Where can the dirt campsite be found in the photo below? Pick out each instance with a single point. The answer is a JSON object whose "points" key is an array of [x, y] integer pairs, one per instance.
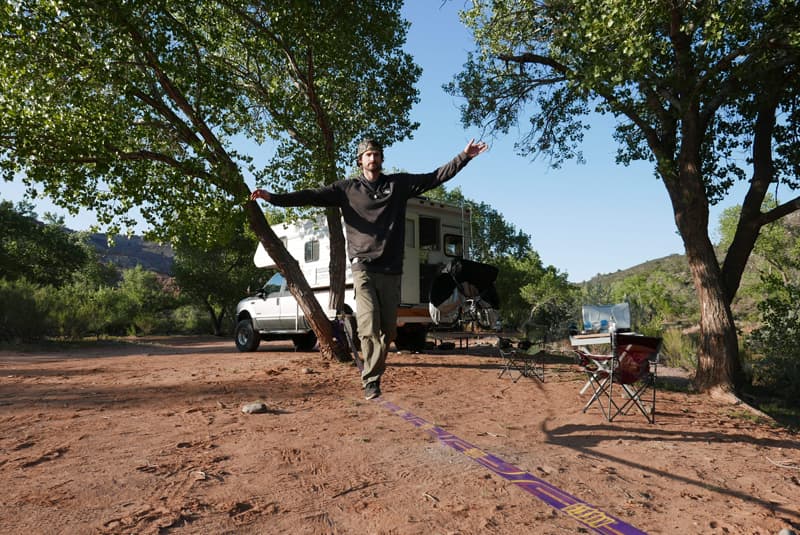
{"points": [[149, 436]]}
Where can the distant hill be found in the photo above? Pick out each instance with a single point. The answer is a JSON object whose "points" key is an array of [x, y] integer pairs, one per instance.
{"points": [[127, 253], [674, 264], [673, 274]]}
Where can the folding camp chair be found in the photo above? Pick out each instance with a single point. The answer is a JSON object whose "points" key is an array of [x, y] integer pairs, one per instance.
{"points": [[599, 324], [516, 358], [630, 369]]}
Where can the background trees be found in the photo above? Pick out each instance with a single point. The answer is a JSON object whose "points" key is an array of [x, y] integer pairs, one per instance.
{"points": [[217, 274], [41, 253], [697, 89], [53, 284]]}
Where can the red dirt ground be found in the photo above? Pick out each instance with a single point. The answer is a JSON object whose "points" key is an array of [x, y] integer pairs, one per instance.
{"points": [[149, 437]]}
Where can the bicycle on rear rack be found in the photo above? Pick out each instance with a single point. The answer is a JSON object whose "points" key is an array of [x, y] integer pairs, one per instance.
{"points": [[463, 297]]}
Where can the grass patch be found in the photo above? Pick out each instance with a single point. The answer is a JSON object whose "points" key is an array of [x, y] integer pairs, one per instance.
{"points": [[674, 384]]}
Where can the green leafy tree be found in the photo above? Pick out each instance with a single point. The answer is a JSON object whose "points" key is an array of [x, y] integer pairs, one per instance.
{"points": [[777, 249], [652, 298], [151, 299], [216, 274], [775, 341], [526, 287], [535, 295], [694, 86], [774, 273], [325, 74], [21, 317], [39, 252], [113, 105]]}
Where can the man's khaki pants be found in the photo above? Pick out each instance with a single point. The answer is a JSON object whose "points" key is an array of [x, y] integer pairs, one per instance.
{"points": [[377, 299]]}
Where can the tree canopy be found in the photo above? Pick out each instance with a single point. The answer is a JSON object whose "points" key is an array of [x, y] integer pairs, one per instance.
{"points": [[706, 91], [216, 275], [111, 105]]}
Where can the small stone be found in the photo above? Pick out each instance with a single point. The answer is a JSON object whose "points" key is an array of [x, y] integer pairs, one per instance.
{"points": [[254, 408], [199, 475], [307, 370], [787, 531]]}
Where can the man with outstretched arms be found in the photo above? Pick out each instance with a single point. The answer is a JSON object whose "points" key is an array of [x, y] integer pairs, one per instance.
{"points": [[374, 208]]}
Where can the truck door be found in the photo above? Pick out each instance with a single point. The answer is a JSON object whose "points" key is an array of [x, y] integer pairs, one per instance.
{"points": [[266, 306], [276, 308]]}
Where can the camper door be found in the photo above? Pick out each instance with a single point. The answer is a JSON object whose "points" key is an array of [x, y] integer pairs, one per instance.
{"points": [[410, 287]]}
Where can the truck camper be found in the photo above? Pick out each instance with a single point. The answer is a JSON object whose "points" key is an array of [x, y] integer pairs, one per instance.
{"points": [[436, 233]]}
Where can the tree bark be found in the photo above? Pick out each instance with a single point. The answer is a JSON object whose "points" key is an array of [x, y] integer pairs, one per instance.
{"points": [[338, 261], [750, 218], [718, 366]]}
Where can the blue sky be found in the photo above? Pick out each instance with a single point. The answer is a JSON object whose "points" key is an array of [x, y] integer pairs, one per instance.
{"points": [[583, 219]]}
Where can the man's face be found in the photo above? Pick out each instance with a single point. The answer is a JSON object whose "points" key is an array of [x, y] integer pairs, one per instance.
{"points": [[371, 160]]}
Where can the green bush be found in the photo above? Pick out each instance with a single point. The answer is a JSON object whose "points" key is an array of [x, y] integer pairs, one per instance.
{"points": [[190, 319], [775, 352], [679, 349], [21, 319]]}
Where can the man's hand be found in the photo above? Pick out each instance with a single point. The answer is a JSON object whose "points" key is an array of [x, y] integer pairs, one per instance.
{"points": [[473, 149], [260, 194]]}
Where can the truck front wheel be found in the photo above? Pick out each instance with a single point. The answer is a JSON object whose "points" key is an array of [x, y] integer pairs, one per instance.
{"points": [[247, 339]]}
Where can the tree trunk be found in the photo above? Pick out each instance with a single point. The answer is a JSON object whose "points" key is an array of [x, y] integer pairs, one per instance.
{"points": [[718, 366], [215, 321], [338, 259], [750, 218], [298, 285]]}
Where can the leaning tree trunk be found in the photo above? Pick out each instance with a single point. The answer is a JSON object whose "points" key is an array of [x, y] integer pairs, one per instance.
{"points": [[298, 285]]}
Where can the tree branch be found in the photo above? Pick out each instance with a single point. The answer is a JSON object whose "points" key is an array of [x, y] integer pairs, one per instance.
{"points": [[529, 57], [780, 211]]}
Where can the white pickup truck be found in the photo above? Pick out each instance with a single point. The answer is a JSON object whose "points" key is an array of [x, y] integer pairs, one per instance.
{"points": [[273, 314]]}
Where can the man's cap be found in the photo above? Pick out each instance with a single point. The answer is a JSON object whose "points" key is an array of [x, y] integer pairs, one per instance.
{"points": [[365, 145]]}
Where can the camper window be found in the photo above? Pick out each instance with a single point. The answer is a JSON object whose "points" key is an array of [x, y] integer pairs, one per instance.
{"points": [[428, 233], [453, 245], [312, 251]]}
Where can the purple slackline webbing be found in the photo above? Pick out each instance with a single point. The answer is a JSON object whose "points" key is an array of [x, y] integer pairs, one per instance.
{"points": [[582, 512], [575, 508]]}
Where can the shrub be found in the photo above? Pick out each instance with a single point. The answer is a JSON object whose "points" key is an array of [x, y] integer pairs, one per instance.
{"points": [[20, 316], [190, 319], [679, 349], [776, 355]]}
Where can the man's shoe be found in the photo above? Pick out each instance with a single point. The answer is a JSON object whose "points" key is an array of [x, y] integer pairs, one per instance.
{"points": [[372, 390]]}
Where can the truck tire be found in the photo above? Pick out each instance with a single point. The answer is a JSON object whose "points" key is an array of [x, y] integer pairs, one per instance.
{"points": [[304, 342], [246, 337]]}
